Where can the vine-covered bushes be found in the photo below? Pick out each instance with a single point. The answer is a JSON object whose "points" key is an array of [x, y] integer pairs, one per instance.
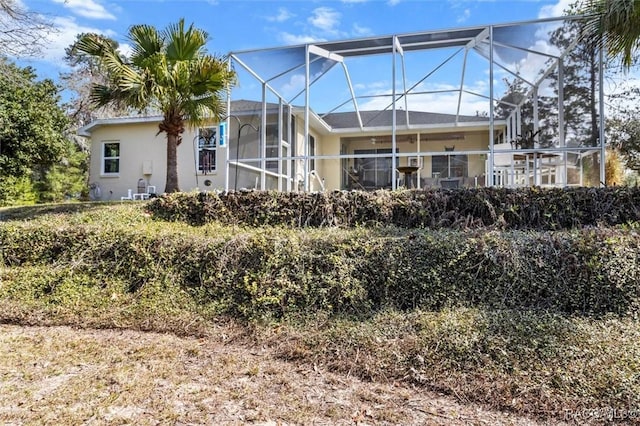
{"points": [[275, 272], [500, 208], [541, 323]]}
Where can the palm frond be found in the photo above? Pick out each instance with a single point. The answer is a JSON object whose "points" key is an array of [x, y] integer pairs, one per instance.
{"points": [[94, 45], [169, 71], [121, 77], [146, 42], [101, 95], [211, 74], [613, 25], [184, 44], [204, 110]]}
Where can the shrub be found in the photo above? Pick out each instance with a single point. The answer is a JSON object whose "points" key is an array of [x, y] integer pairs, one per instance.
{"points": [[276, 272], [541, 323], [498, 208]]}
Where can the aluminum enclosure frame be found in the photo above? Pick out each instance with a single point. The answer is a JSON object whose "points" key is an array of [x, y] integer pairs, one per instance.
{"points": [[313, 61]]}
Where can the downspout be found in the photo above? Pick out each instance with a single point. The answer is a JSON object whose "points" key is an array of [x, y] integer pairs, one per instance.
{"points": [[536, 114], [291, 137], [420, 160], [280, 137]]}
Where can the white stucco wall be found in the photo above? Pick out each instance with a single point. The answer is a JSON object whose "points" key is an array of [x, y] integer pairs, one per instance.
{"points": [[143, 156]]}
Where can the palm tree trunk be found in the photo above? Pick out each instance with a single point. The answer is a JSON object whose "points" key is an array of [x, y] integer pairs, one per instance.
{"points": [[171, 184]]}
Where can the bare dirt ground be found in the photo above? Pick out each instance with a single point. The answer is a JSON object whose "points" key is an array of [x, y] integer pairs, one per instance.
{"points": [[66, 376]]}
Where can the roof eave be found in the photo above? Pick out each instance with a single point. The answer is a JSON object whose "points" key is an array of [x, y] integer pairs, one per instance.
{"points": [[437, 126], [321, 125], [89, 128]]}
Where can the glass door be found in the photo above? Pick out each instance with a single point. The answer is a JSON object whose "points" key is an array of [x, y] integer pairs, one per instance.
{"points": [[375, 172]]}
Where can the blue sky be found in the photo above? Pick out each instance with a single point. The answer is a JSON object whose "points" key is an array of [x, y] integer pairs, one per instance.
{"points": [[235, 25], [241, 24]]}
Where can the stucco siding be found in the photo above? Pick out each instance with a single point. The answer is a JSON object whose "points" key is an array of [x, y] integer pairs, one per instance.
{"points": [[143, 156]]}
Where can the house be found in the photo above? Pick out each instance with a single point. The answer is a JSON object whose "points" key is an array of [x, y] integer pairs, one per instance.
{"points": [[476, 106], [128, 152]]}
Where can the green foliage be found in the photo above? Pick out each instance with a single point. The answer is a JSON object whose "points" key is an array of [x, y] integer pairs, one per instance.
{"points": [[84, 73], [17, 191], [613, 25], [66, 180], [37, 162], [31, 123], [497, 208], [623, 127], [278, 272]]}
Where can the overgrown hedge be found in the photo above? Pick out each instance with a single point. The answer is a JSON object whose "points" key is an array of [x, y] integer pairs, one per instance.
{"points": [[506, 341], [276, 272], [500, 208]]}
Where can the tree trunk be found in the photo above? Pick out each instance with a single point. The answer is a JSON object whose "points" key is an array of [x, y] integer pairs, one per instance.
{"points": [[172, 163]]}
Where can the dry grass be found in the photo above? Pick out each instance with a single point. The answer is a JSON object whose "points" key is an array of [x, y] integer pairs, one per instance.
{"points": [[66, 376]]}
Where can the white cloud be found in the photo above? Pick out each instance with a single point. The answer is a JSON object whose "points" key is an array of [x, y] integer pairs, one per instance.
{"points": [[361, 31], [354, 1], [125, 49], [464, 17], [289, 39], [282, 16], [68, 29], [555, 10], [323, 24], [87, 8], [443, 102], [324, 18], [393, 2]]}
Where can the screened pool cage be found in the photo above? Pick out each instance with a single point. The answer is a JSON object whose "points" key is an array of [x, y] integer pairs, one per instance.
{"points": [[510, 105]]}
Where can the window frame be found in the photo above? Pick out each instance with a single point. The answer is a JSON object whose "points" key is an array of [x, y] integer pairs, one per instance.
{"points": [[312, 152], [442, 164], [212, 148], [104, 158], [271, 149]]}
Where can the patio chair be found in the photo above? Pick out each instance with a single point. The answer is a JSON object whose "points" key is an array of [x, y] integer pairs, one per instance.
{"points": [[129, 195]]}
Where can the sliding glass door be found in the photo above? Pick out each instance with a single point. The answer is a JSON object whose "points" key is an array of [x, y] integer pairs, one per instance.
{"points": [[375, 172]]}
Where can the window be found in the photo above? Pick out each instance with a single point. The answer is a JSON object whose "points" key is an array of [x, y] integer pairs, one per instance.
{"points": [[312, 153], [374, 172], [207, 144], [449, 166], [272, 146], [110, 158]]}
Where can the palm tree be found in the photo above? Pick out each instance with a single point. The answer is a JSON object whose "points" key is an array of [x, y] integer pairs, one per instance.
{"points": [[168, 71], [614, 25]]}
